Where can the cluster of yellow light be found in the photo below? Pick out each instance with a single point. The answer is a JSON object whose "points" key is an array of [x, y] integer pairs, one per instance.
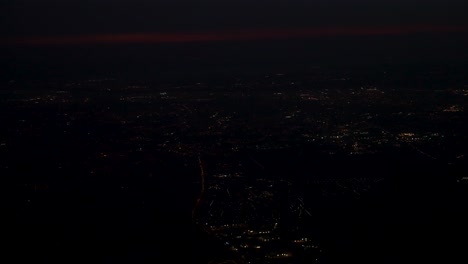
{"points": [[406, 134]]}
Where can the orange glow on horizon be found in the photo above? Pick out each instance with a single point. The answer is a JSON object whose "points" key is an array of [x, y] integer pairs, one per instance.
{"points": [[240, 35]]}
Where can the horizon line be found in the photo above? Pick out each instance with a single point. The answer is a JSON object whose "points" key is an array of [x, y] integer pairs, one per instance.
{"points": [[229, 35]]}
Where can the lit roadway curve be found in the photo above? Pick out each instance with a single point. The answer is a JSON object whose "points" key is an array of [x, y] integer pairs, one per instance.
{"points": [[202, 175]]}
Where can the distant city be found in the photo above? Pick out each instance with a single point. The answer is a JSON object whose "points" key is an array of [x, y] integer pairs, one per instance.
{"points": [[275, 168]]}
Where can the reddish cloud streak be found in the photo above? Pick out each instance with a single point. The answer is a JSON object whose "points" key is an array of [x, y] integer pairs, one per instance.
{"points": [[241, 35]]}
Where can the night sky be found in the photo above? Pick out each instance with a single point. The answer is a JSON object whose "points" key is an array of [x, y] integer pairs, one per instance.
{"points": [[250, 31]]}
